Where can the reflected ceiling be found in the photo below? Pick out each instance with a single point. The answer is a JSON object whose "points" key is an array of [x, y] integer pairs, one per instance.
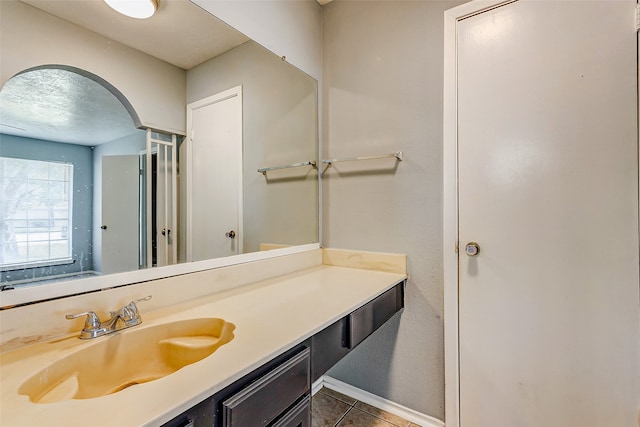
{"points": [[62, 106], [37, 105], [180, 32]]}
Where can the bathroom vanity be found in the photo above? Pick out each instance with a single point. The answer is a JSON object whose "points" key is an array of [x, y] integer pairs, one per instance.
{"points": [[289, 328], [278, 393]]}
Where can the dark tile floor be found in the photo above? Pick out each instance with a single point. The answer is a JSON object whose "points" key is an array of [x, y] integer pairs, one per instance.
{"points": [[332, 409]]}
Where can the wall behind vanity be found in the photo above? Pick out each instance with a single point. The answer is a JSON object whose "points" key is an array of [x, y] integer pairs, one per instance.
{"points": [[383, 89], [381, 92]]}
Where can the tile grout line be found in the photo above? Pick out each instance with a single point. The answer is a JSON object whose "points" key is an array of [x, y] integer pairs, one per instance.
{"points": [[406, 415], [343, 416], [376, 416], [353, 406]]}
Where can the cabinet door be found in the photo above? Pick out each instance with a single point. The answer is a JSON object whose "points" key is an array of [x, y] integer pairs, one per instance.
{"points": [[264, 400]]}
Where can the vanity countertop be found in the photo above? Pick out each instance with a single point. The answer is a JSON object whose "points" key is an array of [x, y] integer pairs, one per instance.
{"points": [[270, 316]]}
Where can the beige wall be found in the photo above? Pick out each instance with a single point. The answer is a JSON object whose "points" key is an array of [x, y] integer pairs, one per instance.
{"points": [[31, 38], [383, 84], [279, 110]]}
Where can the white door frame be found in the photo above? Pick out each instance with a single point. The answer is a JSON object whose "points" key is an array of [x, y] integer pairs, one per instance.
{"points": [[222, 96], [450, 202], [168, 189]]}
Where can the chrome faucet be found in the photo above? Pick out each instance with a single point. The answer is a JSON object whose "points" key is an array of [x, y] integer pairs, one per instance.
{"points": [[125, 317]]}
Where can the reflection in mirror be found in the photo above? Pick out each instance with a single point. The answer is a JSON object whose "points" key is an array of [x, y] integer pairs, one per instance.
{"points": [[278, 110], [53, 227], [84, 148]]}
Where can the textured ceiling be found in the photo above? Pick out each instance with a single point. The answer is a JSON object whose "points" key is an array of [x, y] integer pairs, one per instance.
{"points": [[62, 106]]}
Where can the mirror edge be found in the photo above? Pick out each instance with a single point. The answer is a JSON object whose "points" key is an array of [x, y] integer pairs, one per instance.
{"points": [[34, 294]]}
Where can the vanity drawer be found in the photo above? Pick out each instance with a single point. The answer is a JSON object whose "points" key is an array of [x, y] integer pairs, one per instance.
{"points": [[365, 320], [298, 416], [262, 401], [338, 339]]}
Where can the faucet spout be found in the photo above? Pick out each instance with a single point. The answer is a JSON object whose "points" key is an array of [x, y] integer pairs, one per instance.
{"points": [[111, 324]]}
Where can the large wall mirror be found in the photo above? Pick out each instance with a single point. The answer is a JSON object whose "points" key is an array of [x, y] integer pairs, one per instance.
{"points": [[144, 148]]}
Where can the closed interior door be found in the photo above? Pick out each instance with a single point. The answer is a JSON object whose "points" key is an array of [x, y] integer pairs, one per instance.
{"points": [[164, 203], [215, 176], [548, 188], [120, 176]]}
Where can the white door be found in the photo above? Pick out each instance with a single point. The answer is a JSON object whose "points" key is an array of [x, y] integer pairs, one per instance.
{"points": [[214, 176], [120, 183], [548, 188]]}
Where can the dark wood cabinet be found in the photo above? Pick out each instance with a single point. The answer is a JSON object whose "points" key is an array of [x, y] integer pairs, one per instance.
{"points": [[269, 397], [278, 393], [329, 346], [200, 415], [298, 416], [270, 394], [337, 340], [366, 319]]}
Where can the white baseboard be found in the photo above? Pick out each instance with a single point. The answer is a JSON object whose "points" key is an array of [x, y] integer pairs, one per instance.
{"points": [[315, 387], [415, 417]]}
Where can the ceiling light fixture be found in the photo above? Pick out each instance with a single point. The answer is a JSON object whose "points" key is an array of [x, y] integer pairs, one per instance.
{"points": [[139, 9]]}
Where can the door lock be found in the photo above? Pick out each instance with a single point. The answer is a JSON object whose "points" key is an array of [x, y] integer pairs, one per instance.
{"points": [[472, 249], [231, 234]]}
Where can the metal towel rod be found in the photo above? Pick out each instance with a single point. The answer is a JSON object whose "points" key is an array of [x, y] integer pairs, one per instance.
{"points": [[264, 171], [397, 155]]}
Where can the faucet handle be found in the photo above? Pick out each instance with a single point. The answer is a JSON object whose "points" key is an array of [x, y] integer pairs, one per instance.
{"points": [[130, 311], [92, 321], [147, 298]]}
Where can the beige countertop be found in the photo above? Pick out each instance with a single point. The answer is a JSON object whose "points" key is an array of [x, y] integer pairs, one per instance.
{"points": [[270, 316]]}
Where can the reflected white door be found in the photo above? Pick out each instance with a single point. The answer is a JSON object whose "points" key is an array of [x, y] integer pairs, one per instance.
{"points": [[548, 188], [214, 183], [165, 199], [120, 199]]}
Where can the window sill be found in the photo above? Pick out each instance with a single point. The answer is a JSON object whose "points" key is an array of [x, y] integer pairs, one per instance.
{"points": [[48, 263]]}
